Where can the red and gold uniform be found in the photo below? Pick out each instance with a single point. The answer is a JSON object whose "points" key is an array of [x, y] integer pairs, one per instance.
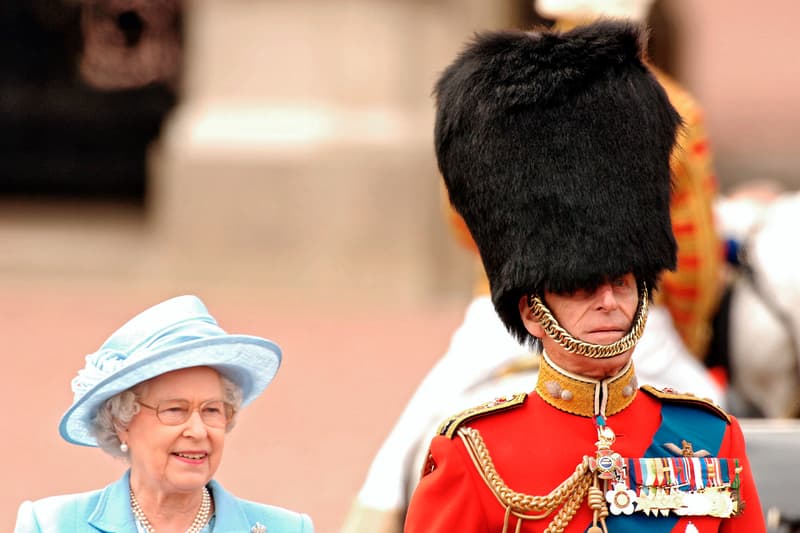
{"points": [[692, 291], [488, 465]]}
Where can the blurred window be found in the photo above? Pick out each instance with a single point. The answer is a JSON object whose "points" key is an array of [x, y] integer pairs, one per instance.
{"points": [[63, 136]]}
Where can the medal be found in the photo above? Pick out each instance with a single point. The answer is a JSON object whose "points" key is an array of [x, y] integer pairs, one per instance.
{"points": [[679, 485], [607, 463]]}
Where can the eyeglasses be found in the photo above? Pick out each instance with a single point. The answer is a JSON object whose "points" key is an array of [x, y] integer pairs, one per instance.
{"points": [[213, 413]]}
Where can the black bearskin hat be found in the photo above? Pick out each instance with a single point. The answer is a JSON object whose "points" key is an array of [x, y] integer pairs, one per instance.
{"points": [[555, 149]]}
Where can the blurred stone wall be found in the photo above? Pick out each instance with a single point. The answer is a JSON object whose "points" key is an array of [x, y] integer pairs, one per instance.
{"points": [[299, 157], [301, 154], [738, 60]]}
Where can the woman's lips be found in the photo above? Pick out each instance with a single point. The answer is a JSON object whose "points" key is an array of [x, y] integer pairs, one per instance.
{"points": [[193, 457]]}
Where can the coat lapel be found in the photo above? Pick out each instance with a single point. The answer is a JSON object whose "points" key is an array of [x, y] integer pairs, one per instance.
{"points": [[113, 514], [229, 514]]}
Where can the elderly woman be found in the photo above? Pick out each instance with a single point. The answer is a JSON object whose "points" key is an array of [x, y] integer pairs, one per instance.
{"points": [[162, 392]]}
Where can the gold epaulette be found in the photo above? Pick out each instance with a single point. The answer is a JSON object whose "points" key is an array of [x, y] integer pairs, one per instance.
{"points": [[448, 427], [669, 395]]}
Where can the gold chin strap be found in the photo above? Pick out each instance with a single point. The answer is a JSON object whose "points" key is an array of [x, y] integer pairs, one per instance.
{"points": [[588, 349]]}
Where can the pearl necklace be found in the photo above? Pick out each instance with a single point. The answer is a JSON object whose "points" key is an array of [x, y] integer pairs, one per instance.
{"points": [[197, 524]]}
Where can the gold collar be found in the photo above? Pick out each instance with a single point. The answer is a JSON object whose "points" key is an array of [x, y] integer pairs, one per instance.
{"points": [[584, 396]]}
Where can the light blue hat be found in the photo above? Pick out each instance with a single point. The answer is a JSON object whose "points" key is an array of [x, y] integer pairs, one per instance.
{"points": [[178, 333]]}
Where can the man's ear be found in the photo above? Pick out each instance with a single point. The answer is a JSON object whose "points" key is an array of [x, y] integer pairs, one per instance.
{"points": [[528, 320]]}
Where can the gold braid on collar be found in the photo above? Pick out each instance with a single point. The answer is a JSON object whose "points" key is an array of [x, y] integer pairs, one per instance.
{"points": [[582, 396], [596, 351]]}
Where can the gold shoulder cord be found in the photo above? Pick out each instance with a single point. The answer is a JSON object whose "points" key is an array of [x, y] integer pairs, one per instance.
{"points": [[669, 395], [571, 492], [449, 427]]}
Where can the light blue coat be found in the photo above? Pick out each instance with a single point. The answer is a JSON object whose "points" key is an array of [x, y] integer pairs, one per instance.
{"points": [[109, 510]]}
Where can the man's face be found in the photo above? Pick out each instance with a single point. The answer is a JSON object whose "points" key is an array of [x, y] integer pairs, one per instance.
{"points": [[600, 316]]}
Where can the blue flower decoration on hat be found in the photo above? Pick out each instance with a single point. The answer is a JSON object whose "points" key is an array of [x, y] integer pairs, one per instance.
{"points": [[178, 333]]}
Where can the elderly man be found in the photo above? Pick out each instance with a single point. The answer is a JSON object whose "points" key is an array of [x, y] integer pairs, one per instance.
{"points": [[555, 149]]}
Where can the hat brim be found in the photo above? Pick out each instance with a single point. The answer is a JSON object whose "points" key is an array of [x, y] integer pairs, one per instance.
{"points": [[250, 362]]}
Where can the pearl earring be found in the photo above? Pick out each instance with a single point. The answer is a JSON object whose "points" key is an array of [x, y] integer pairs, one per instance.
{"points": [[123, 447]]}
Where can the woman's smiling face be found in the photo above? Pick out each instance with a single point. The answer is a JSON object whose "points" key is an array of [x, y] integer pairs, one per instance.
{"points": [[175, 458]]}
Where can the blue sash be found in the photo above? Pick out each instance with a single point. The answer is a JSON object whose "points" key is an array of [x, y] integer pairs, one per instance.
{"points": [[678, 422]]}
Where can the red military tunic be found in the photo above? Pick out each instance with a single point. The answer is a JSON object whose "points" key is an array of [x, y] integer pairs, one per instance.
{"points": [[534, 444]]}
